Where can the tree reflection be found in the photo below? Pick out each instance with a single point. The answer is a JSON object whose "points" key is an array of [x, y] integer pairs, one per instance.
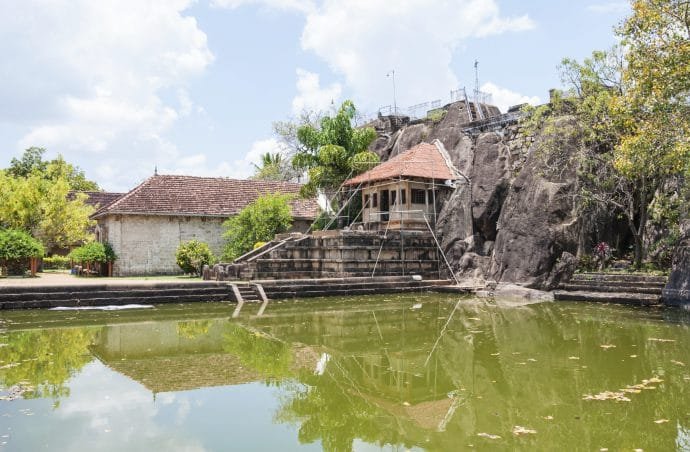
{"points": [[43, 360]]}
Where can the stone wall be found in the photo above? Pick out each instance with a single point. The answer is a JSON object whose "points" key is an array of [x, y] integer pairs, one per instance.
{"points": [[677, 290], [146, 244]]}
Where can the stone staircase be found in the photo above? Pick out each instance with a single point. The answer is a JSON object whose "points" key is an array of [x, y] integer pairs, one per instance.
{"points": [[23, 297], [302, 288], [637, 289]]}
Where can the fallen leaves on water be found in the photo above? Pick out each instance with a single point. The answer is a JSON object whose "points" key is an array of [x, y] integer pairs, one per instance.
{"points": [[633, 356], [661, 421], [573, 357], [607, 395], [532, 360], [657, 339], [548, 418], [520, 430], [678, 363], [607, 346], [620, 395], [488, 435]]}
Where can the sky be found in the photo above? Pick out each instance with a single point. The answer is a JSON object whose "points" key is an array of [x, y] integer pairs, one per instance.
{"points": [[122, 87]]}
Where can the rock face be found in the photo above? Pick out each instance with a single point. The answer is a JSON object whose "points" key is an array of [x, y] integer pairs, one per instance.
{"points": [[677, 290], [514, 221]]}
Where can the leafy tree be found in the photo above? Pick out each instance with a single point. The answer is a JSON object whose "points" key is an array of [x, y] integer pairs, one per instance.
{"points": [[41, 206], [333, 151], [260, 221], [16, 247], [32, 162], [191, 256], [274, 166], [633, 108]]}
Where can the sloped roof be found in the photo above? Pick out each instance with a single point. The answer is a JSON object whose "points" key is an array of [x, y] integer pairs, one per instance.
{"points": [[202, 196], [425, 160], [97, 199]]}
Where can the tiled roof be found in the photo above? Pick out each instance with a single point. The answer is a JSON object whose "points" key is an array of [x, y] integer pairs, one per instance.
{"points": [[202, 196], [424, 160], [98, 199]]}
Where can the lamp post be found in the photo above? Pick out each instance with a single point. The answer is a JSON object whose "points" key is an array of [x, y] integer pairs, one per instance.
{"points": [[395, 105]]}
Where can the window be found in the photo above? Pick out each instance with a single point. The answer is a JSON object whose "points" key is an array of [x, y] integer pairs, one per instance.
{"points": [[403, 196], [375, 200], [366, 201], [418, 196], [394, 195]]}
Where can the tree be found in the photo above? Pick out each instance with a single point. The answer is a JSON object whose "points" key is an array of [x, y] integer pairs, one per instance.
{"points": [[191, 256], [633, 110], [275, 167], [16, 247], [334, 151], [259, 221], [40, 205], [32, 162]]}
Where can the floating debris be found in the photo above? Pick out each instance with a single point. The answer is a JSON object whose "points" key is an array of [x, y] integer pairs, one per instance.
{"points": [[488, 435], [573, 357], [656, 339], [607, 346], [620, 395], [7, 366], [678, 363], [548, 418], [633, 356], [661, 421], [417, 306], [519, 430], [532, 360], [607, 395]]}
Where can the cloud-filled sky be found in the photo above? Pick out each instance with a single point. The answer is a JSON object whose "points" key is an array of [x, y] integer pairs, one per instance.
{"points": [[192, 87]]}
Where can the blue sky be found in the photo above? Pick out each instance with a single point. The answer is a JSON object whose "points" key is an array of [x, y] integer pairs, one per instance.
{"points": [[192, 87]]}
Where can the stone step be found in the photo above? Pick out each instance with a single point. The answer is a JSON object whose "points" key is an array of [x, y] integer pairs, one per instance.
{"points": [[115, 300], [298, 293], [608, 297], [39, 293], [110, 287], [619, 277], [353, 286], [611, 287]]}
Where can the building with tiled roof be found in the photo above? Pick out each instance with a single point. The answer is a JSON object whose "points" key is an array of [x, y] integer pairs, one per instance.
{"points": [[406, 191], [146, 225]]}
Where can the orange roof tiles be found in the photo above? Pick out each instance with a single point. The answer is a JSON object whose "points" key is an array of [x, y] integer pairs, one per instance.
{"points": [[424, 160], [202, 196]]}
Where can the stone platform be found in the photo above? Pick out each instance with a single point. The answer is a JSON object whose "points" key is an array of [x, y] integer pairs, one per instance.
{"points": [[337, 254], [637, 289]]}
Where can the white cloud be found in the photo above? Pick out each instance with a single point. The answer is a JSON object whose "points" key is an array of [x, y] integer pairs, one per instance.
{"points": [[310, 95], [364, 39], [96, 71], [504, 98], [609, 7], [297, 5]]}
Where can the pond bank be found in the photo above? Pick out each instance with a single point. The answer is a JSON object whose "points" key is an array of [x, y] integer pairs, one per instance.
{"points": [[103, 292]]}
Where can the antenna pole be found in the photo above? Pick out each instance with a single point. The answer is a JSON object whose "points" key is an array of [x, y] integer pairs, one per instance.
{"points": [[395, 105], [476, 90]]}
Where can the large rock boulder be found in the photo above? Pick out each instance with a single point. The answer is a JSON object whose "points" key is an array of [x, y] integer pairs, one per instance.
{"points": [[677, 290], [538, 221]]}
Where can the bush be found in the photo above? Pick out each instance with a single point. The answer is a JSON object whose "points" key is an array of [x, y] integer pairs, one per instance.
{"points": [[56, 262], [93, 252], [16, 247], [193, 255], [260, 221]]}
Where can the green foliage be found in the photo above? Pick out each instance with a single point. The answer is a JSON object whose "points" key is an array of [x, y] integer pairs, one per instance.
{"points": [[437, 114], [191, 256], [274, 167], [16, 247], [260, 221], [334, 151], [93, 252], [32, 162], [269, 357], [56, 262], [39, 203], [43, 360]]}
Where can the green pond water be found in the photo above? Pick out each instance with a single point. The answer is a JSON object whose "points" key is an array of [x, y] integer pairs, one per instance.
{"points": [[412, 372]]}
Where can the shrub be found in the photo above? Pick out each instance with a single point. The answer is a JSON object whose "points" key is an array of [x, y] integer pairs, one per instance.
{"points": [[192, 256], [259, 221], [93, 252], [56, 262], [16, 247]]}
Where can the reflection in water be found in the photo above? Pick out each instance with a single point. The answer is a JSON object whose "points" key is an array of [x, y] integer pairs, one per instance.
{"points": [[342, 372]]}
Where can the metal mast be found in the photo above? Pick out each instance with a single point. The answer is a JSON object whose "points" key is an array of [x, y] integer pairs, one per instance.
{"points": [[476, 90]]}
